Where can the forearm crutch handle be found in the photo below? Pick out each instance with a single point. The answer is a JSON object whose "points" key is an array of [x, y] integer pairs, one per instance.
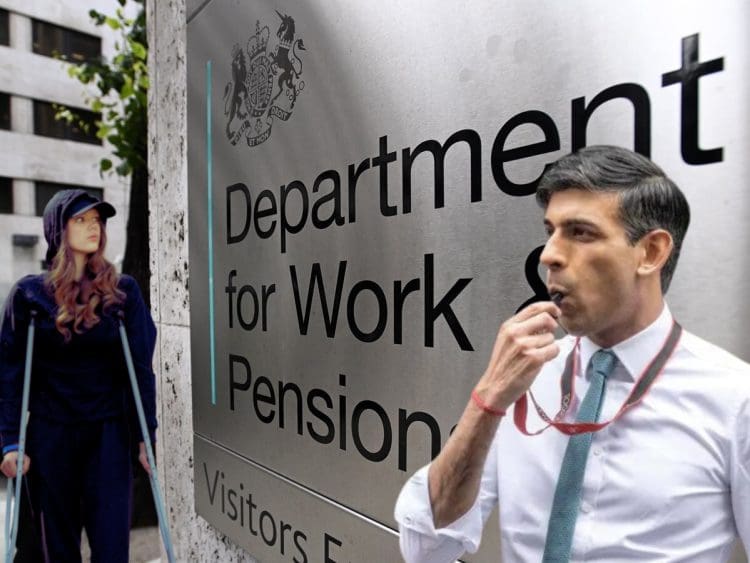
{"points": [[155, 490]]}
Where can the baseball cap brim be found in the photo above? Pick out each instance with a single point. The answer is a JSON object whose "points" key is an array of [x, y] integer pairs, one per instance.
{"points": [[105, 210], [83, 204]]}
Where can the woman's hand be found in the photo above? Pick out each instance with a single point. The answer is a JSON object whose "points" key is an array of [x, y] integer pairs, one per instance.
{"points": [[9, 466], [143, 458]]}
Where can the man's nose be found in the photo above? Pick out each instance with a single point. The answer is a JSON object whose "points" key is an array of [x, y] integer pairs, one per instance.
{"points": [[552, 255]]}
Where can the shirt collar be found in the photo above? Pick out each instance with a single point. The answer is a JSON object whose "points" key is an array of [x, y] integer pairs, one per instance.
{"points": [[636, 352]]}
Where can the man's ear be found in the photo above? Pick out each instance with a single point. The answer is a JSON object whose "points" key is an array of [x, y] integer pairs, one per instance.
{"points": [[657, 247]]}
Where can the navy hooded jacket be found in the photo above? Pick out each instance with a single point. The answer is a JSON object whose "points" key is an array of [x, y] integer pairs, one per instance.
{"points": [[84, 379]]}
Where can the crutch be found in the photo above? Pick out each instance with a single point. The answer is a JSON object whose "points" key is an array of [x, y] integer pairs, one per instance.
{"points": [[11, 530], [163, 526]]}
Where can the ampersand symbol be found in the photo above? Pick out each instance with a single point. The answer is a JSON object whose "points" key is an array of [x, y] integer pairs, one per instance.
{"points": [[532, 277]]}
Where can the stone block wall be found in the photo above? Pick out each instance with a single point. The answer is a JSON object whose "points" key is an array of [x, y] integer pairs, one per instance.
{"points": [[193, 538]]}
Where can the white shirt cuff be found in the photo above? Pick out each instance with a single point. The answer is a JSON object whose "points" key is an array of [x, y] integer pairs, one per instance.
{"points": [[414, 513]]}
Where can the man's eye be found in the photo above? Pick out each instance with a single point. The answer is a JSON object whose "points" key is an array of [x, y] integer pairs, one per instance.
{"points": [[581, 232]]}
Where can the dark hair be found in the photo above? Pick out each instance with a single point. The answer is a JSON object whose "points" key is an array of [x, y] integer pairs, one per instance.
{"points": [[648, 198]]}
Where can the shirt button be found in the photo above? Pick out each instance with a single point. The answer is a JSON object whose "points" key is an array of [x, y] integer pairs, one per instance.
{"points": [[585, 508], [407, 519], [597, 451]]}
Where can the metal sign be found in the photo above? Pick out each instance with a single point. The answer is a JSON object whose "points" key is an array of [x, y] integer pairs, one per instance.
{"points": [[362, 220]]}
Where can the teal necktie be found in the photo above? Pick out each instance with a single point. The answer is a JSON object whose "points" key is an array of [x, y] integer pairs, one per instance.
{"points": [[567, 500]]}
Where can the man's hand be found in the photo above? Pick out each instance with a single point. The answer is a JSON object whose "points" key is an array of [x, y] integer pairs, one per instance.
{"points": [[143, 458], [9, 466], [524, 344]]}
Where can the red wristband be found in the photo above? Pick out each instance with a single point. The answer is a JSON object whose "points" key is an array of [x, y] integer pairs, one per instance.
{"points": [[484, 406]]}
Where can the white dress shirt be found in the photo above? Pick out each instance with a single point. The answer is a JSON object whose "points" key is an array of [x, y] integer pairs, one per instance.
{"points": [[667, 482]]}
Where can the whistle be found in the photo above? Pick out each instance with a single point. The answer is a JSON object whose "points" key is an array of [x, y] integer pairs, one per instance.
{"points": [[556, 297]]}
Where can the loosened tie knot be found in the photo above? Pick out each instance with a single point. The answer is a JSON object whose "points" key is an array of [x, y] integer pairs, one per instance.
{"points": [[603, 361]]}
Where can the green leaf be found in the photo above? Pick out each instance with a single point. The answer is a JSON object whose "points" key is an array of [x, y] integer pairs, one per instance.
{"points": [[123, 169], [127, 89], [138, 50], [103, 131], [98, 17], [122, 117], [63, 113]]}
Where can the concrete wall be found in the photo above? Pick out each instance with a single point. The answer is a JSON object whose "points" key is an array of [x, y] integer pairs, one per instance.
{"points": [[28, 158], [193, 538]]}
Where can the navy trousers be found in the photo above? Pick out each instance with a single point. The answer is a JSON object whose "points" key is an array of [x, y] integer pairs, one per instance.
{"points": [[80, 477]]}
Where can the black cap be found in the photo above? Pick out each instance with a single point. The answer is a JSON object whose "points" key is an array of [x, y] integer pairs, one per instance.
{"points": [[64, 205]]}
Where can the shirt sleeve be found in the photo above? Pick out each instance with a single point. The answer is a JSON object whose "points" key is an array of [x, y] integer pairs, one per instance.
{"points": [[740, 473], [13, 337], [420, 541], [141, 333]]}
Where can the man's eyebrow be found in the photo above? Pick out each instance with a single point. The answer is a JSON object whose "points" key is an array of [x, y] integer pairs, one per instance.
{"points": [[574, 222]]}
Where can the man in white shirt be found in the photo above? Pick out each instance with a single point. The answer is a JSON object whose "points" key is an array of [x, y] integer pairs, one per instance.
{"points": [[669, 479]]}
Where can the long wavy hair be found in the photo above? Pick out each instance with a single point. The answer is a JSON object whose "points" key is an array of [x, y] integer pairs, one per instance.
{"points": [[78, 300]]}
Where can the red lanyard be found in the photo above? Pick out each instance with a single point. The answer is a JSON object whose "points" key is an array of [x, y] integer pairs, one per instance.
{"points": [[567, 383]]}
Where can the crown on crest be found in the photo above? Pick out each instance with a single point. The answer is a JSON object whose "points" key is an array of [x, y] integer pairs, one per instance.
{"points": [[285, 44], [256, 45]]}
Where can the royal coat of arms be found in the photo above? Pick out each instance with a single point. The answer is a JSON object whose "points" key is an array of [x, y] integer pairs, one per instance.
{"points": [[264, 84]]}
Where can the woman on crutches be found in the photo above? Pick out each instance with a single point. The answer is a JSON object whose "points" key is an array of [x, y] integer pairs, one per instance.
{"points": [[82, 425]]}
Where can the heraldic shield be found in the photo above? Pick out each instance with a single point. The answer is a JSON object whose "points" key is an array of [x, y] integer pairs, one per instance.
{"points": [[259, 81]]}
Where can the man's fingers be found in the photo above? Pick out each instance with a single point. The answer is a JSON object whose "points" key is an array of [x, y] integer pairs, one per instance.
{"points": [[545, 353], [518, 332], [541, 323], [536, 309], [525, 323], [537, 340], [524, 343]]}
